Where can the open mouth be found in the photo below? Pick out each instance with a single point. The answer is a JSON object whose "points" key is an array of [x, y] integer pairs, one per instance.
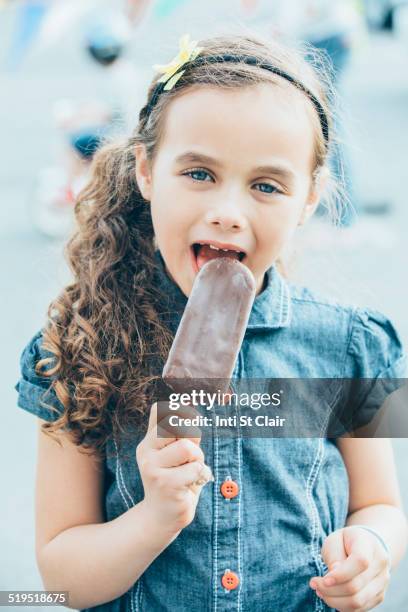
{"points": [[205, 252]]}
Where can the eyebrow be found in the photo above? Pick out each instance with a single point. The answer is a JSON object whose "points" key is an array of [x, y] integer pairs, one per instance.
{"points": [[194, 157]]}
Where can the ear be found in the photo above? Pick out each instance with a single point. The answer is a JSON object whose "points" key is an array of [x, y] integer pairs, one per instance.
{"points": [[143, 172], [315, 194]]}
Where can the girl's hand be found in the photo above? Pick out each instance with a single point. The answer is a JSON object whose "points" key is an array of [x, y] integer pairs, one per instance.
{"points": [[358, 570], [168, 467]]}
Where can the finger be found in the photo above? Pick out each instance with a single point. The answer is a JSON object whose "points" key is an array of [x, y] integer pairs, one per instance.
{"points": [[326, 585], [154, 437], [159, 433], [355, 564], [333, 553], [184, 475], [333, 549], [345, 589], [179, 452], [152, 417], [158, 411], [205, 476], [178, 423], [365, 599]]}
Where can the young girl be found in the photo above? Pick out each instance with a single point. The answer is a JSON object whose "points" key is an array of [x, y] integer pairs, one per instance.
{"points": [[230, 150]]}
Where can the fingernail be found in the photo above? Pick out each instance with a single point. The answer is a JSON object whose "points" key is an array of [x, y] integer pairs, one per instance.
{"points": [[313, 585], [211, 479], [208, 475]]}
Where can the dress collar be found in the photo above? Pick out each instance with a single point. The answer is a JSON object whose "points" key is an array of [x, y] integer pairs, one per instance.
{"points": [[271, 308]]}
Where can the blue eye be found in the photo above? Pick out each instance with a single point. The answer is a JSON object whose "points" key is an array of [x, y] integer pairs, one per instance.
{"points": [[199, 174], [270, 188]]}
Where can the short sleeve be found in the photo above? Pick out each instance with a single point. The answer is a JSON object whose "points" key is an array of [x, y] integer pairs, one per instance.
{"points": [[376, 347], [34, 390], [376, 367]]}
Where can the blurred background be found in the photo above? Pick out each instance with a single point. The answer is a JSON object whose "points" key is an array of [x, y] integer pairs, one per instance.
{"points": [[72, 72]]}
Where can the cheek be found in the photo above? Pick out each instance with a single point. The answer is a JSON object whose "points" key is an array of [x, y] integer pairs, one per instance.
{"points": [[276, 228], [279, 220], [170, 216]]}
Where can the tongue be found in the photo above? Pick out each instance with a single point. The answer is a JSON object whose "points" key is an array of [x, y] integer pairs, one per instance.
{"points": [[205, 254]]}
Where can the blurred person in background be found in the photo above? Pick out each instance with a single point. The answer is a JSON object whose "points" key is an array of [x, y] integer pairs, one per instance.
{"points": [[385, 14], [85, 125]]}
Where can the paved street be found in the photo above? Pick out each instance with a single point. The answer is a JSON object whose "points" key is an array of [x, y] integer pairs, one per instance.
{"points": [[372, 273]]}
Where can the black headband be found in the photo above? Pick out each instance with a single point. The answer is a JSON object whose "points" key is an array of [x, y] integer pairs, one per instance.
{"points": [[252, 61]]}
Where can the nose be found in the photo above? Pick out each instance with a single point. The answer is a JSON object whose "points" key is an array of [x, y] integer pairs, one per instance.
{"points": [[227, 217]]}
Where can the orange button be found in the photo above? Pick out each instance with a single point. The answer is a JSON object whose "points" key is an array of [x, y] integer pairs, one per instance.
{"points": [[229, 489], [230, 580]]}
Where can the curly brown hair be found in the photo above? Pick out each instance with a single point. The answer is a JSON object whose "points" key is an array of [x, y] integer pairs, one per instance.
{"points": [[108, 340]]}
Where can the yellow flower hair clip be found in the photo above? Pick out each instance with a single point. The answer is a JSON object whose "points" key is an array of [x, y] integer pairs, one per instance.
{"points": [[188, 51]]}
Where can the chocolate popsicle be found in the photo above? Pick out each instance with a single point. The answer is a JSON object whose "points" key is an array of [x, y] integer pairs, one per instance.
{"points": [[212, 327], [210, 333]]}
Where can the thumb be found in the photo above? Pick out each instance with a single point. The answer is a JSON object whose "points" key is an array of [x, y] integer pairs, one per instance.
{"points": [[160, 414], [152, 417], [357, 541], [333, 550]]}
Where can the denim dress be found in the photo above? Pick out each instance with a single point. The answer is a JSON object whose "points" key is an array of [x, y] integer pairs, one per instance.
{"points": [[256, 538]]}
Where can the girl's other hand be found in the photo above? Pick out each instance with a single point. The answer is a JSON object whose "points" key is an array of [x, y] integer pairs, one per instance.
{"points": [[358, 570], [168, 466]]}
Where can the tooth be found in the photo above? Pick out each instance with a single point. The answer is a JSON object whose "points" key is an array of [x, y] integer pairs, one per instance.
{"points": [[225, 249], [214, 247]]}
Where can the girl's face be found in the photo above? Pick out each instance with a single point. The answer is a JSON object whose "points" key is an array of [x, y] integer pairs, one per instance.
{"points": [[232, 167]]}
